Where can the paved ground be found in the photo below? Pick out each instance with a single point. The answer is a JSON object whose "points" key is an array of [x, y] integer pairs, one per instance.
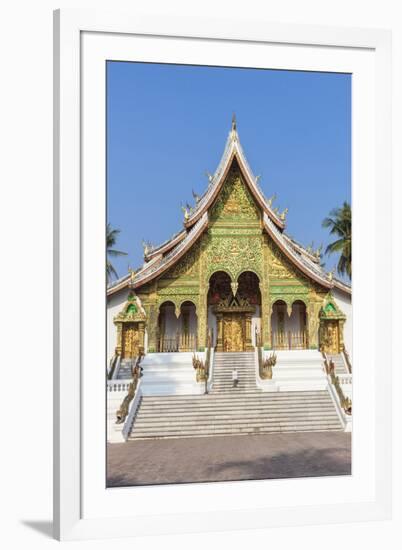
{"points": [[162, 461]]}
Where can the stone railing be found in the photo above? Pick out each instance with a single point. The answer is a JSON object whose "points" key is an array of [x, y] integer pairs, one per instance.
{"points": [[118, 385], [179, 342], [124, 408], [347, 360], [337, 381], [344, 379], [202, 367], [128, 424], [289, 340], [210, 380]]}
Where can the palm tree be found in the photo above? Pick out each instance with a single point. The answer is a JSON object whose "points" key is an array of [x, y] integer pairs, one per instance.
{"points": [[111, 238], [340, 223]]}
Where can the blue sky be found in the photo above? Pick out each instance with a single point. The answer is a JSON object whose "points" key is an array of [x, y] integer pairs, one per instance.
{"points": [[167, 126]]}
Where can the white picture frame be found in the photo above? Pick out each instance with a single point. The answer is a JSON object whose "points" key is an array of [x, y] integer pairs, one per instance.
{"points": [[83, 508]]}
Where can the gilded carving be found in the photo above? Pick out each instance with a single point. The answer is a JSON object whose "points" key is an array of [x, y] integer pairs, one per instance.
{"points": [[279, 267], [188, 266], [234, 255], [332, 320], [175, 290], [234, 201]]}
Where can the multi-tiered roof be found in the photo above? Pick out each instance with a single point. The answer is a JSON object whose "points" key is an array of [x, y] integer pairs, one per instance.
{"points": [[159, 259]]}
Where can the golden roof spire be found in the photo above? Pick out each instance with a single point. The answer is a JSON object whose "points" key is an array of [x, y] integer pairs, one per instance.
{"points": [[233, 132]]}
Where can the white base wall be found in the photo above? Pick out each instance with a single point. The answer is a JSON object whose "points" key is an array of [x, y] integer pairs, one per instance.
{"points": [[114, 431], [296, 370], [170, 374]]}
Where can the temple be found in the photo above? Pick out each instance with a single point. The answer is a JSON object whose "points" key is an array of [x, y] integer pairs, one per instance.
{"points": [[231, 280]]}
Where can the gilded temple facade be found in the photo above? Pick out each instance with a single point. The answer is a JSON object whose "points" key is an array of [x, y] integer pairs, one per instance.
{"points": [[231, 279]]}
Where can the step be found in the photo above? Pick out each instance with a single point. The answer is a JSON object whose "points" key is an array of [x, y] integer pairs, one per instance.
{"points": [[212, 420], [216, 426], [230, 412], [233, 413], [250, 428], [305, 427], [255, 394], [234, 407]]}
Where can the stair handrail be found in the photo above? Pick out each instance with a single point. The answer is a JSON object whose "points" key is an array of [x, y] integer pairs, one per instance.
{"points": [[112, 366], [258, 345], [345, 402], [202, 367], [116, 369], [209, 361], [347, 360], [123, 411], [210, 379], [264, 365]]}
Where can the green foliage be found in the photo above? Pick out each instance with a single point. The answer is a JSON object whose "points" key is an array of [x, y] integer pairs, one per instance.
{"points": [[339, 222], [111, 238]]}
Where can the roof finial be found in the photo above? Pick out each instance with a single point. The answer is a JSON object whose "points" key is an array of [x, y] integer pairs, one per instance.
{"points": [[233, 131]]}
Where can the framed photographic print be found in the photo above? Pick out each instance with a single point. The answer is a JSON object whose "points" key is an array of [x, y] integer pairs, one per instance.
{"points": [[215, 366]]}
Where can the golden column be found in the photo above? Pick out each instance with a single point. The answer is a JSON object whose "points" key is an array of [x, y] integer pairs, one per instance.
{"points": [[152, 315], [119, 327], [265, 299], [219, 336], [341, 340], [313, 321], [249, 345], [202, 309], [141, 336]]}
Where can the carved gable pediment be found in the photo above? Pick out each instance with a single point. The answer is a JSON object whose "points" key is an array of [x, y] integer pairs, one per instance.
{"points": [[132, 311], [234, 202], [331, 310]]}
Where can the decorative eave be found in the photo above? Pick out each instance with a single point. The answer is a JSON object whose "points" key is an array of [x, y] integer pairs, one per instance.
{"points": [[166, 246], [299, 248], [157, 268], [308, 268], [233, 150], [121, 283], [340, 285]]}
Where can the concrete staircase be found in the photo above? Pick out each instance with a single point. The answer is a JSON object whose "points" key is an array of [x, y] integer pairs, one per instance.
{"points": [[340, 367], [232, 412], [124, 372], [223, 367]]}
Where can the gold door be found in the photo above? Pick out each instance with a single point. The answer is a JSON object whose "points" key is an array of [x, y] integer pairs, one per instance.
{"points": [[233, 333], [331, 338], [130, 340]]}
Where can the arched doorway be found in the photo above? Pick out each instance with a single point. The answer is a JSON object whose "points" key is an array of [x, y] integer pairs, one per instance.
{"points": [[219, 290], [168, 328], [289, 331], [188, 327], [177, 333], [279, 325], [298, 326], [231, 306]]}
